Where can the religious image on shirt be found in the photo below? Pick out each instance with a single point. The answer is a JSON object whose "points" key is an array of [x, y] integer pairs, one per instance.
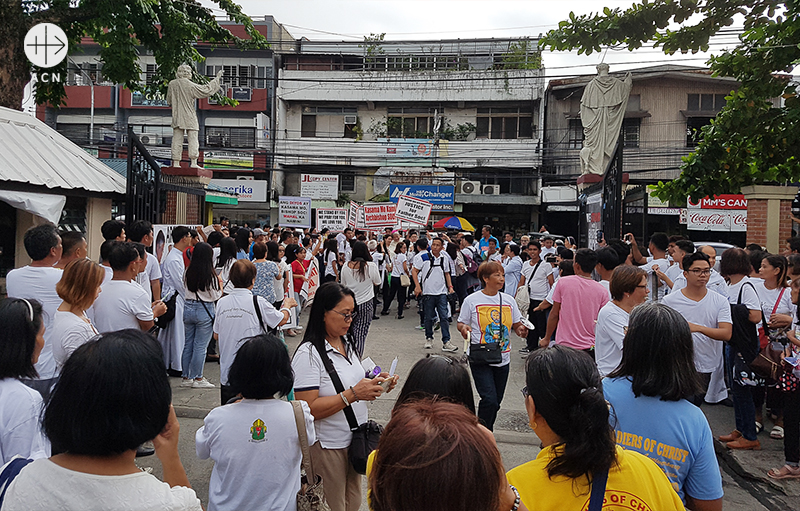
{"points": [[258, 431], [490, 327]]}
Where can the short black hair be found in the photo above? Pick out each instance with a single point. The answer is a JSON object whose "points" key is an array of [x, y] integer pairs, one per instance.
{"points": [[756, 256], [535, 243], [685, 245], [422, 243], [566, 253], [262, 368], [660, 240], [690, 259], [139, 229], [70, 241], [794, 244], [105, 249], [470, 238], [607, 257], [754, 247], [215, 238], [514, 248], [439, 376], [179, 233], [122, 255], [586, 258], [112, 229], [735, 261], [112, 396], [18, 337], [39, 240], [658, 354], [347, 229]]}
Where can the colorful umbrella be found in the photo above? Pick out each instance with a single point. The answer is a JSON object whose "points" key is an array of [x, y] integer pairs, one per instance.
{"points": [[454, 222]]}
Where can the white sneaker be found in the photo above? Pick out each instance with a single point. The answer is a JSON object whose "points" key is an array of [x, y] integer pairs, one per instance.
{"points": [[202, 384], [428, 344], [187, 382], [449, 347]]}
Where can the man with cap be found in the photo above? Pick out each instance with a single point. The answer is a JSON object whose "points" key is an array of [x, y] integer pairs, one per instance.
{"points": [[258, 237]]}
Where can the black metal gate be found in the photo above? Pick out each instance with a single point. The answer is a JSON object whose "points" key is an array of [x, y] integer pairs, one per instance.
{"points": [[143, 197], [612, 194]]}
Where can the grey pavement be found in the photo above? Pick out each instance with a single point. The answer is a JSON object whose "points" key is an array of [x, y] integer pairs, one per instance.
{"points": [[744, 472]]}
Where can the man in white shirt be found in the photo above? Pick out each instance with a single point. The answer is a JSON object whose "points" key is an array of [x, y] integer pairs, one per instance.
{"points": [[172, 269], [538, 276], [113, 230], [74, 247], [607, 260], [431, 276], [509, 238], [708, 315], [715, 281], [38, 281], [548, 247], [679, 250], [659, 243], [125, 304], [343, 243], [141, 231]]}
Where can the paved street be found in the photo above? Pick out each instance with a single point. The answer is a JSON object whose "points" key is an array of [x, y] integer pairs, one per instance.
{"points": [[744, 473]]}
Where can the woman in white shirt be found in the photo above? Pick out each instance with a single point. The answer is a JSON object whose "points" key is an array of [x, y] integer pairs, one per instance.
{"points": [[330, 256], [227, 256], [398, 267], [259, 470], [21, 342], [361, 275], [203, 289], [330, 319], [113, 395], [79, 287]]}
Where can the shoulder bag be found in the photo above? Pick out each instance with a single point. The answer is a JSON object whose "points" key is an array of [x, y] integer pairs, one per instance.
{"points": [[488, 352], [311, 496], [365, 436], [273, 331], [744, 341], [768, 362], [598, 491], [165, 319]]}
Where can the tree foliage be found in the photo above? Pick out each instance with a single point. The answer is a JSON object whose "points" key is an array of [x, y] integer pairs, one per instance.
{"points": [[754, 139], [167, 29]]}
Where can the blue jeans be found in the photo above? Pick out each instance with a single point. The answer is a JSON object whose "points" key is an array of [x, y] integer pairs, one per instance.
{"points": [[490, 382], [198, 326], [433, 305], [744, 410]]}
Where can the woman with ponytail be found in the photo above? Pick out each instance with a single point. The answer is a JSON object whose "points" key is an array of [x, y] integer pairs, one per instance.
{"points": [[648, 393], [580, 463]]}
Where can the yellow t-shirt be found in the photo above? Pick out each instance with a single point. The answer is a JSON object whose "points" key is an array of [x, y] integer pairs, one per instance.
{"points": [[636, 484]]}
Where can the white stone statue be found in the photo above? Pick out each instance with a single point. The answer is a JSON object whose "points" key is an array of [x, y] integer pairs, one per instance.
{"points": [[181, 96], [602, 109]]}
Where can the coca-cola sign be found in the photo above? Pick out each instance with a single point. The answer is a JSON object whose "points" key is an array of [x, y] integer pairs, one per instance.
{"points": [[716, 220]]}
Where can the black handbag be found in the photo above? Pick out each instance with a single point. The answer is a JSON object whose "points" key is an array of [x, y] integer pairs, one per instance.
{"points": [[365, 436], [165, 319], [488, 353]]}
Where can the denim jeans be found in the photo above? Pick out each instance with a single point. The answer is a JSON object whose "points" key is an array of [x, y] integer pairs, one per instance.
{"points": [[198, 326], [744, 410], [433, 305], [490, 382]]}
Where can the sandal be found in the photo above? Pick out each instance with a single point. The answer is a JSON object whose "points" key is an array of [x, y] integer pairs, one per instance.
{"points": [[785, 472], [776, 433], [759, 427]]}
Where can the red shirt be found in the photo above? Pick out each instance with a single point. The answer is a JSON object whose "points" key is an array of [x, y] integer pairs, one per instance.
{"points": [[299, 267]]}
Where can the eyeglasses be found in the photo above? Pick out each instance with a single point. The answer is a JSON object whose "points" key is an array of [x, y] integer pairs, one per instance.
{"points": [[700, 273], [524, 391], [347, 317]]}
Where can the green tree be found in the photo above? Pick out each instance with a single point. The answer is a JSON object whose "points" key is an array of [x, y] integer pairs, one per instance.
{"points": [[754, 139], [167, 28]]}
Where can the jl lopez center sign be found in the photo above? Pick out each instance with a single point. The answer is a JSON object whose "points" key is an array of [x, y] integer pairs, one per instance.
{"points": [[319, 186], [727, 213]]}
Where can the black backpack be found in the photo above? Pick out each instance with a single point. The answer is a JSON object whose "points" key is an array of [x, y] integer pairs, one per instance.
{"points": [[744, 337]]}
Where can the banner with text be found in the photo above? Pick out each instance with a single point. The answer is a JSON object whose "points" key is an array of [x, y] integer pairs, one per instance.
{"points": [[440, 197], [352, 216], [724, 201], [725, 220], [411, 209], [294, 212], [334, 219], [319, 186], [380, 215]]}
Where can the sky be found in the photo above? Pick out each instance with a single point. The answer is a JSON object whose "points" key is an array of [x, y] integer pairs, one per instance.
{"points": [[350, 20]]}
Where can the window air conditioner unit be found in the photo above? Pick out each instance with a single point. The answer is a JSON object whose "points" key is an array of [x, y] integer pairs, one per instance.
{"points": [[471, 187], [350, 119], [491, 189], [150, 138]]}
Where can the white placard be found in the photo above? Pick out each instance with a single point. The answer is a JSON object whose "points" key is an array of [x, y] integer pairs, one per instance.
{"points": [[319, 186], [249, 190], [411, 209], [352, 217], [335, 219], [294, 212], [380, 215]]}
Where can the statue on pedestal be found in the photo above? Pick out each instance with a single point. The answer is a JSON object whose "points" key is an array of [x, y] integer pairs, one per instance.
{"points": [[602, 109], [181, 96]]}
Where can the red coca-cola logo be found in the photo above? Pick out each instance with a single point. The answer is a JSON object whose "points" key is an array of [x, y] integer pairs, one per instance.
{"points": [[740, 220], [707, 219]]}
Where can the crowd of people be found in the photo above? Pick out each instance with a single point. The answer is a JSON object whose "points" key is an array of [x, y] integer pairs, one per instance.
{"points": [[622, 347]]}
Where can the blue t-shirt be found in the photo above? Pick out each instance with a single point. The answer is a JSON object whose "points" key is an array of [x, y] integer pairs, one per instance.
{"points": [[674, 434], [484, 245]]}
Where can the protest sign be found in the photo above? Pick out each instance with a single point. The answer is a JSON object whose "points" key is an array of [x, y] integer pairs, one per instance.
{"points": [[411, 209], [380, 215], [335, 219], [294, 212], [352, 217]]}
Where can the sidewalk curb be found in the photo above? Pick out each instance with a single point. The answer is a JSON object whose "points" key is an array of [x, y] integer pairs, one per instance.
{"points": [[734, 464], [190, 412]]}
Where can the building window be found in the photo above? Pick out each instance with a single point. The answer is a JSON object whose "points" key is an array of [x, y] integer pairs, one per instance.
{"points": [[328, 121], [705, 102], [504, 123], [630, 132], [150, 73], [410, 122], [230, 137], [347, 182], [240, 76], [308, 126], [693, 126], [576, 135]]}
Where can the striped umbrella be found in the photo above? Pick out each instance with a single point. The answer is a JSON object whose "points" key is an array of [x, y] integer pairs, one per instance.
{"points": [[454, 222]]}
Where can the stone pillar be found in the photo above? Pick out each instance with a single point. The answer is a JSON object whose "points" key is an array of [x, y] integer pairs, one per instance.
{"points": [[97, 212], [768, 215]]}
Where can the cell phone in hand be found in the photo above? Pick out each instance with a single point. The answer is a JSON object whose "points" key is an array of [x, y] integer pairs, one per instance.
{"points": [[599, 236]]}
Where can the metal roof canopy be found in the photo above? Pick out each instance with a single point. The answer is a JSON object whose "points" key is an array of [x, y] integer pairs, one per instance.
{"points": [[33, 153]]}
